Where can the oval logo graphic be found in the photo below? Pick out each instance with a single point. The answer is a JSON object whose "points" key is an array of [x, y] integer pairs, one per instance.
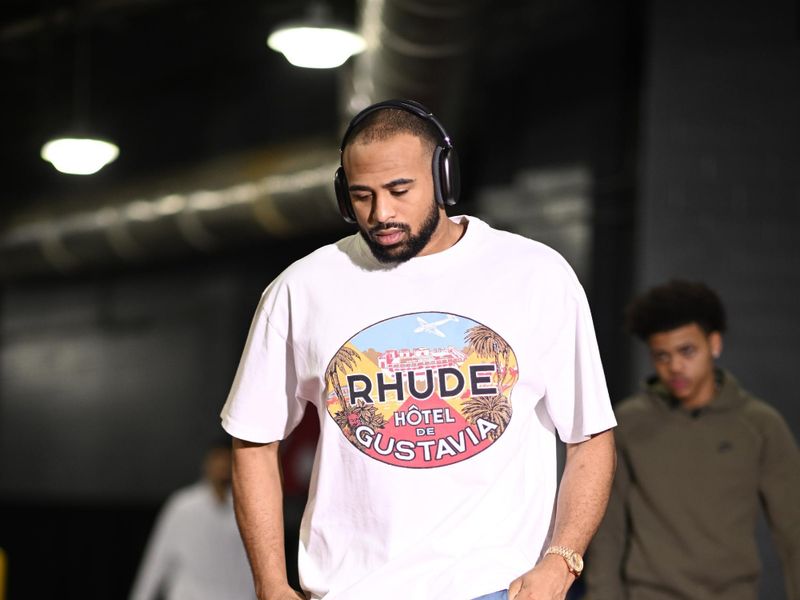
{"points": [[422, 390]]}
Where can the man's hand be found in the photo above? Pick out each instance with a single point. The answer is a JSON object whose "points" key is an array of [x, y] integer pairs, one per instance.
{"points": [[549, 580], [258, 502], [582, 497]]}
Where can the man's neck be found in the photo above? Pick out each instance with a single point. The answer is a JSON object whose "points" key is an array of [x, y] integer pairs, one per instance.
{"points": [[448, 235], [703, 397]]}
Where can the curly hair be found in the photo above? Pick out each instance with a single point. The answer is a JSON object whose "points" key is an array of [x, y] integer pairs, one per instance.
{"points": [[672, 305]]}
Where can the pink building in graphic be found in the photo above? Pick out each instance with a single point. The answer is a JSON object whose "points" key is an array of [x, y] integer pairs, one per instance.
{"points": [[419, 360]]}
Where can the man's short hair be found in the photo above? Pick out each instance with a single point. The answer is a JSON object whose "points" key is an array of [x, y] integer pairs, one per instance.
{"points": [[388, 122], [672, 305]]}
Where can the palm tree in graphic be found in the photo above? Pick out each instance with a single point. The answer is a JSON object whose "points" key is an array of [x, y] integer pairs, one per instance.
{"points": [[495, 409], [343, 362], [487, 344], [361, 414]]}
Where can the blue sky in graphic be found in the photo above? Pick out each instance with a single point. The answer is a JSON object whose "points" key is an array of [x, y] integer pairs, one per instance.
{"points": [[399, 332]]}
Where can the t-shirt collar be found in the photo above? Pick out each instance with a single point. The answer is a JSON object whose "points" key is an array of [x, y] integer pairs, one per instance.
{"points": [[368, 261]]}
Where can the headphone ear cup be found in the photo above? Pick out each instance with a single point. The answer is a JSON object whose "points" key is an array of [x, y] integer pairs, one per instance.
{"points": [[343, 196], [436, 168], [449, 176]]}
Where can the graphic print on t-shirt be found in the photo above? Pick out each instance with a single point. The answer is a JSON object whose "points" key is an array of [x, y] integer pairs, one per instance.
{"points": [[422, 390]]}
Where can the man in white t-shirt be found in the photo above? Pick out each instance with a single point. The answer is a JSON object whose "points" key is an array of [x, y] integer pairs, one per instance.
{"points": [[442, 357], [194, 551]]}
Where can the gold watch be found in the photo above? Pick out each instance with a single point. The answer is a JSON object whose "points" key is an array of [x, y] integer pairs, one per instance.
{"points": [[573, 559]]}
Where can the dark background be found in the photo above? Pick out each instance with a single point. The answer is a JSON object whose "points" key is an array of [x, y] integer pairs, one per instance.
{"points": [[643, 140]]}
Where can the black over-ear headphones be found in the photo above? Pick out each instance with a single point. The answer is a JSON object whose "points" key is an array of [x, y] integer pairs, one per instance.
{"points": [[446, 181]]}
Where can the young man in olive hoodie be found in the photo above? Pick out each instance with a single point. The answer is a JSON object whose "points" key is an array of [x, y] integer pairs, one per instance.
{"points": [[697, 455]]}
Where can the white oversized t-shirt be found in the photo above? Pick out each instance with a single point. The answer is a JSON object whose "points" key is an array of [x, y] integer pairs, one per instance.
{"points": [[440, 384]]}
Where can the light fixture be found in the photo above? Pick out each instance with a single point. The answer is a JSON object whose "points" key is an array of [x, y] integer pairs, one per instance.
{"points": [[316, 43], [79, 155]]}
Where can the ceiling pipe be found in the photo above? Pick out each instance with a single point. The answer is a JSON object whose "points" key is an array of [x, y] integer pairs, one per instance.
{"points": [[416, 49], [221, 205]]}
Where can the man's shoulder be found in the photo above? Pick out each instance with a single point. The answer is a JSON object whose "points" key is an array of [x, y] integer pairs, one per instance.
{"points": [[642, 409], [505, 239], [737, 397], [326, 261], [635, 406], [185, 499], [760, 412], [341, 252], [639, 417], [763, 419], [535, 257]]}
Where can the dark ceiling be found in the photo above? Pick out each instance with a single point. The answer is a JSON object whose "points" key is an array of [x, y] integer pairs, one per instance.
{"points": [[179, 82], [172, 82]]}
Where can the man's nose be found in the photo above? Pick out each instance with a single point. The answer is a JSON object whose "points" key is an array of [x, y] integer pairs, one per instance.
{"points": [[382, 207], [675, 364]]}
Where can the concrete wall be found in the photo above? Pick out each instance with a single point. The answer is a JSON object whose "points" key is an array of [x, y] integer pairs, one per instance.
{"points": [[720, 187], [111, 387]]}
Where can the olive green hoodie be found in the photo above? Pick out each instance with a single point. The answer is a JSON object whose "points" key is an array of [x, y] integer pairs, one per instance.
{"points": [[682, 516]]}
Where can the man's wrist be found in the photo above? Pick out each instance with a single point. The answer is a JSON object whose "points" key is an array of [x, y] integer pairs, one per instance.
{"points": [[272, 589], [572, 559]]}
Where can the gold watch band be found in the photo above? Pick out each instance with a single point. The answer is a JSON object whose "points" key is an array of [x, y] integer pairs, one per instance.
{"points": [[573, 559]]}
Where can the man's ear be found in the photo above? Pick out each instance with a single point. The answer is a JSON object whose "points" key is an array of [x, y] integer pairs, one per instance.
{"points": [[715, 341]]}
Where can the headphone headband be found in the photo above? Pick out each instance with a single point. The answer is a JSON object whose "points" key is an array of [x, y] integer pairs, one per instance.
{"points": [[445, 170], [411, 106]]}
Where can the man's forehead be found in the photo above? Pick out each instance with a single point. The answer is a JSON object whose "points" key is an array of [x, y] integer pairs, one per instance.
{"points": [[690, 332]]}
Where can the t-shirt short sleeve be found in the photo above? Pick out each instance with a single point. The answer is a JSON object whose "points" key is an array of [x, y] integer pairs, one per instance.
{"points": [[263, 405], [576, 394]]}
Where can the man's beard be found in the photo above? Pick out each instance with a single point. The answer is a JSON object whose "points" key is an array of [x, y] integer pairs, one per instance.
{"points": [[408, 248]]}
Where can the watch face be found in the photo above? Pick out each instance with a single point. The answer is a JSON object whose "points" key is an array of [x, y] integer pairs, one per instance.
{"points": [[576, 562]]}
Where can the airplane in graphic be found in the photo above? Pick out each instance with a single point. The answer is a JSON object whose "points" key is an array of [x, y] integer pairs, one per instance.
{"points": [[433, 328]]}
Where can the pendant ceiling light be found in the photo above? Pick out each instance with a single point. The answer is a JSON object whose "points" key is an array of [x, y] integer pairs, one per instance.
{"points": [[317, 42], [80, 153]]}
